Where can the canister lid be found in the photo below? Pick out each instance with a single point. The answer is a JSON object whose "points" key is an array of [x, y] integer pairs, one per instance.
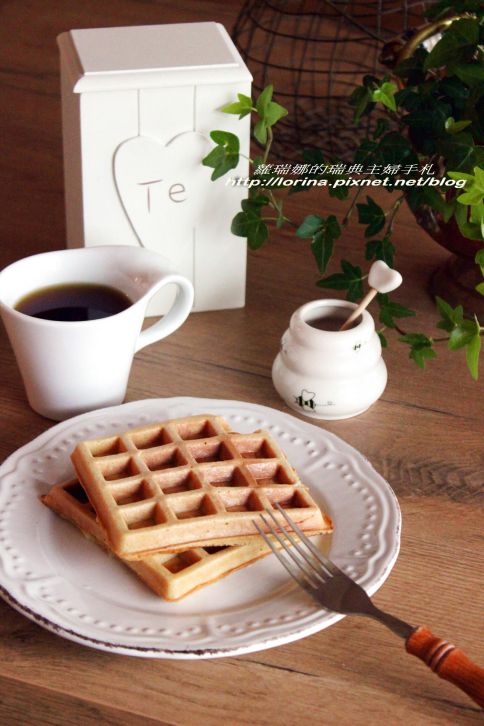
{"points": [[150, 55]]}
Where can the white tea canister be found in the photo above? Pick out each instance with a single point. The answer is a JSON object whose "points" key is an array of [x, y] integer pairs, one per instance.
{"points": [[138, 105], [328, 373]]}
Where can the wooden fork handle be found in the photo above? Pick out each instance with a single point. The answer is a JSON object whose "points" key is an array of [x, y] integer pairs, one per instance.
{"points": [[448, 662]]}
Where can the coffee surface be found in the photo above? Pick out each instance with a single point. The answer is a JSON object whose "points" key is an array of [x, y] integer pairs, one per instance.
{"points": [[331, 322], [74, 302]]}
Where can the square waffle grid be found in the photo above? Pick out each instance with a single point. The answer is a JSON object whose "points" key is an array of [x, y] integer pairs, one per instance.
{"points": [[170, 575], [189, 482]]}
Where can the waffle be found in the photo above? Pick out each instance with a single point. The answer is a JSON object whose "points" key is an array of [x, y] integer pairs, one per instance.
{"points": [[171, 576], [189, 482]]}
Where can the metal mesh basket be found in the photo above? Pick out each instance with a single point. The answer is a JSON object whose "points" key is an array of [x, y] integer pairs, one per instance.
{"points": [[315, 53]]}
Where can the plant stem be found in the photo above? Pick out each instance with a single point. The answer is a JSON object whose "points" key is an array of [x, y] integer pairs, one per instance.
{"points": [[278, 208], [393, 212], [348, 214], [434, 340], [274, 203], [270, 137]]}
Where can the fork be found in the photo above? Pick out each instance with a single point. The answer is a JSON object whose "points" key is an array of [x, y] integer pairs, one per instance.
{"points": [[334, 590]]}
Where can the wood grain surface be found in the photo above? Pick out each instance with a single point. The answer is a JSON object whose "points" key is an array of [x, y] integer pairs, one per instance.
{"points": [[425, 436]]}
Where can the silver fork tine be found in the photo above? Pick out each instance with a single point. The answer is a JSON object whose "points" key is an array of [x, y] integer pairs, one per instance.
{"points": [[310, 575], [315, 567], [330, 566], [293, 571]]}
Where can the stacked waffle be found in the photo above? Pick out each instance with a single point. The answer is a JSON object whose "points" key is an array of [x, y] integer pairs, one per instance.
{"points": [[177, 500]]}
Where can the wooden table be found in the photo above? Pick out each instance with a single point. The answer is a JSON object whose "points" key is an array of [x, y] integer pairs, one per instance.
{"points": [[424, 436]]}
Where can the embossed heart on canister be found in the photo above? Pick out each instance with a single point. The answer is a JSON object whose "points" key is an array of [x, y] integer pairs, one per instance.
{"points": [[157, 185]]}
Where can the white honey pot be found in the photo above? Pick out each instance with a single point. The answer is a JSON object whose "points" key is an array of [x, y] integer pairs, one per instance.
{"points": [[329, 374]]}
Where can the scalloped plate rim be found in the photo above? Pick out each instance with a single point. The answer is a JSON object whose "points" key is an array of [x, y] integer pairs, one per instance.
{"points": [[9, 465]]}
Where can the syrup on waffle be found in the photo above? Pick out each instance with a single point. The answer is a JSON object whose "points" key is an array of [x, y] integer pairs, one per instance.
{"points": [[171, 576], [189, 482]]}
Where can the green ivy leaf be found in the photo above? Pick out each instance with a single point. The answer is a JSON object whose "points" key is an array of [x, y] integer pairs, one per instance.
{"points": [[453, 127], [418, 197], [249, 223], [225, 156], [365, 151], [353, 274], [467, 228], [242, 107], [337, 281], [323, 232], [479, 177], [479, 259], [349, 279], [385, 94], [454, 91], [390, 310], [458, 41], [462, 334], [274, 112], [372, 215], [408, 99], [260, 132], [269, 113], [473, 196], [392, 148], [361, 100], [459, 151], [477, 210], [472, 74], [417, 339], [257, 200], [419, 355], [383, 340], [421, 348], [337, 192], [380, 249], [264, 100], [474, 189], [412, 69], [310, 225], [451, 317], [322, 248], [459, 175]]}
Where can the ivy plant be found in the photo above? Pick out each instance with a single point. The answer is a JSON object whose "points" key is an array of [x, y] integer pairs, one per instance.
{"points": [[430, 126]]}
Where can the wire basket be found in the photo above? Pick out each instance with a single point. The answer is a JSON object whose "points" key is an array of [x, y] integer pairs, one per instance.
{"points": [[315, 53]]}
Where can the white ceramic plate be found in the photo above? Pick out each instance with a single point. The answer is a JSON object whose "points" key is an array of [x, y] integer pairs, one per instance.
{"points": [[57, 578]]}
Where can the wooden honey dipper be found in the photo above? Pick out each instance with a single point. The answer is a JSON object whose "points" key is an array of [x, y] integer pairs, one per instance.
{"points": [[381, 278]]}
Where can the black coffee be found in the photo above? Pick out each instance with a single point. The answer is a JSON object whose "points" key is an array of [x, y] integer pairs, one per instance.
{"points": [[73, 302]]}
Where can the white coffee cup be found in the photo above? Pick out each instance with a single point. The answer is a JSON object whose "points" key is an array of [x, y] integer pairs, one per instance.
{"points": [[72, 367]]}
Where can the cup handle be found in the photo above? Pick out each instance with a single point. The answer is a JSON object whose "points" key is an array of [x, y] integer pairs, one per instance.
{"points": [[175, 317]]}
